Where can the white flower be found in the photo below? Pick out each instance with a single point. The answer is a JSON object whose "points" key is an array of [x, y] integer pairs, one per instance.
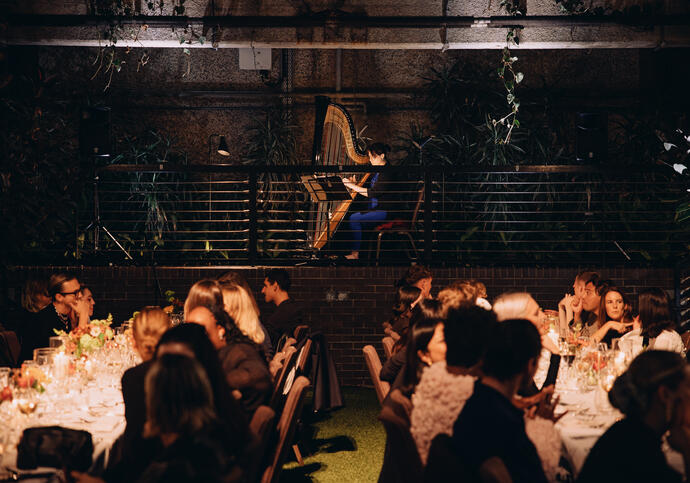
{"points": [[668, 146], [680, 167], [95, 331]]}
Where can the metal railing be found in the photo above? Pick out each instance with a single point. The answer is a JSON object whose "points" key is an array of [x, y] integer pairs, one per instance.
{"points": [[537, 214]]}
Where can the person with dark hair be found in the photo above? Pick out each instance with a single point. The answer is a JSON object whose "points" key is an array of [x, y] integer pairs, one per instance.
{"points": [[654, 327], [376, 210], [445, 386], [181, 414], [243, 362], [425, 345], [571, 304], [615, 313], [654, 396], [289, 313], [418, 276], [489, 434], [587, 316], [426, 315], [67, 305], [192, 341], [406, 298]]}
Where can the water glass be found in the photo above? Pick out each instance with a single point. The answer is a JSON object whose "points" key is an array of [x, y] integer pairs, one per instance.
{"points": [[4, 377], [44, 355], [56, 341]]}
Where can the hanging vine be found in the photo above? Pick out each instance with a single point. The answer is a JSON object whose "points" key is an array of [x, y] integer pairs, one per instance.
{"points": [[108, 60], [508, 75]]}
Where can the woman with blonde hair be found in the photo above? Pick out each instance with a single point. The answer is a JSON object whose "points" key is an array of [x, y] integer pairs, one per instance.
{"points": [[149, 325], [204, 293], [241, 306], [521, 305]]}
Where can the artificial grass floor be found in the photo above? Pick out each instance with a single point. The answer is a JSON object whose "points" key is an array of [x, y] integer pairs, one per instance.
{"points": [[344, 445]]}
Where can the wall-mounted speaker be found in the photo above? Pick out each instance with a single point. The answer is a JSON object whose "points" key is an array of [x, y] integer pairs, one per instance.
{"points": [[94, 131], [591, 137]]}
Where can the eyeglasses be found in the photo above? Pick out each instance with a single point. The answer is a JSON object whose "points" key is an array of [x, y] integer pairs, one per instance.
{"points": [[76, 292]]}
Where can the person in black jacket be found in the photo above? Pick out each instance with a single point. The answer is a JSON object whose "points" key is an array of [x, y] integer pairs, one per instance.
{"points": [[375, 191]]}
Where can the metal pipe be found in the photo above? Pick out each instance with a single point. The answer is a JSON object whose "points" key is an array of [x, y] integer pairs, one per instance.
{"points": [[350, 20]]}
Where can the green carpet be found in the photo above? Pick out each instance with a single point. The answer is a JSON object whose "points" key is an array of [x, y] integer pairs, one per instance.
{"points": [[340, 446]]}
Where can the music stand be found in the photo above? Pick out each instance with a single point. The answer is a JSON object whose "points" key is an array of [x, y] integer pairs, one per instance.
{"points": [[324, 189]]}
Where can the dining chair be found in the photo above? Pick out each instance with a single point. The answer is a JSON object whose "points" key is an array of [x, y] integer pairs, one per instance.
{"points": [[374, 365], [282, 376], [388, 343], [262, 426], [286, 428]]}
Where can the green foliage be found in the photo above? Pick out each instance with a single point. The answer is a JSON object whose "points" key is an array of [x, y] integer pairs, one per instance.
{"points": [[39, 170]]}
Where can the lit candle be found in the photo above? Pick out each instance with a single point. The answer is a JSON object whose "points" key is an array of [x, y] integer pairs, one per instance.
{"points": [[60, 366]]}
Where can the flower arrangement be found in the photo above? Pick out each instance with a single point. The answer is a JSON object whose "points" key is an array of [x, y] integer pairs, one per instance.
{"points": [[86, 339], [176, 304], [24, 378]]}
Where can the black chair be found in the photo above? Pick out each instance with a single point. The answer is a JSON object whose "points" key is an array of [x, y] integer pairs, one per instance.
{"points": [[401, 228]]}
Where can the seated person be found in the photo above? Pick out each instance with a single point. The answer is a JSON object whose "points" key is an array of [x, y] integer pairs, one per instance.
{"points": [[67, 305], [375, 190], [425, 346], [616, 310], [445, 386], [654, 328], [521, 305], [418, 276], [288, 313], [240, 305], [148, 327], [406, 298], [489, 434], [244, 366], [653, 394]]}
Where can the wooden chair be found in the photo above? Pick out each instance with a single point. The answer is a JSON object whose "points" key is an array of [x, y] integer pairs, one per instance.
{"points": [[286, 428], [301, 331], [303, 357], [374, 366], [401, 461], [261, 425], [388, 343], [283, 375], [685, 336], [401, 228]]}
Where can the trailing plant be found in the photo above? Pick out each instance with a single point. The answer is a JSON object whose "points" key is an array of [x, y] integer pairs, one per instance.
{"points": [[109, 59]]}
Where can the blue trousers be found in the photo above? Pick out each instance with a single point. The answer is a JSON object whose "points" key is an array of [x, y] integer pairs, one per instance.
{"points": [[360, 220]]}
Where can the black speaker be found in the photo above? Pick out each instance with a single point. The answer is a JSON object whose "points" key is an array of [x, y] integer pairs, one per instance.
{"points": [[591, 137], [94, 132]]}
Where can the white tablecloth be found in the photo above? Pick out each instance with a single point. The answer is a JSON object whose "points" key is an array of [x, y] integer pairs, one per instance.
{"points": [[584, 424], [98, 410]]}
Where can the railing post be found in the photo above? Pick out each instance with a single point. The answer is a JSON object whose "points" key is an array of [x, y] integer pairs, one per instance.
{"points": [[253, 227], [428, 216]]}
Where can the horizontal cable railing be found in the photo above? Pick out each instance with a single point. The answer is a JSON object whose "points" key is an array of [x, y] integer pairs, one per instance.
{"points": [[215, 214]]}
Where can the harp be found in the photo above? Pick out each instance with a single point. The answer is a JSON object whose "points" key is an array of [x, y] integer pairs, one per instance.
{"points": [[335, 144]]}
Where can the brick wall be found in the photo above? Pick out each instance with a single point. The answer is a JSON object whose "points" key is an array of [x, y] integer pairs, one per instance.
{"points": [[347, 303]]}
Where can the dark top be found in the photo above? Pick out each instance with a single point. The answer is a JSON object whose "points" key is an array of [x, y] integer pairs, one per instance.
{"points": [[529, 388], [134, 397], [393, 366], [628, 451], [201, 457], [376, 199], [286, 317], [246, 370], [39, 329], [490, 426]]}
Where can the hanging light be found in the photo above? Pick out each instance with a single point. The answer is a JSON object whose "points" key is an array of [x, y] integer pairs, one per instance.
{"points": [[223, 147]]}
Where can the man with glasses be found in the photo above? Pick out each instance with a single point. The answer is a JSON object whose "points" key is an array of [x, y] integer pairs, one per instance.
{"points": [[66, 311]]}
